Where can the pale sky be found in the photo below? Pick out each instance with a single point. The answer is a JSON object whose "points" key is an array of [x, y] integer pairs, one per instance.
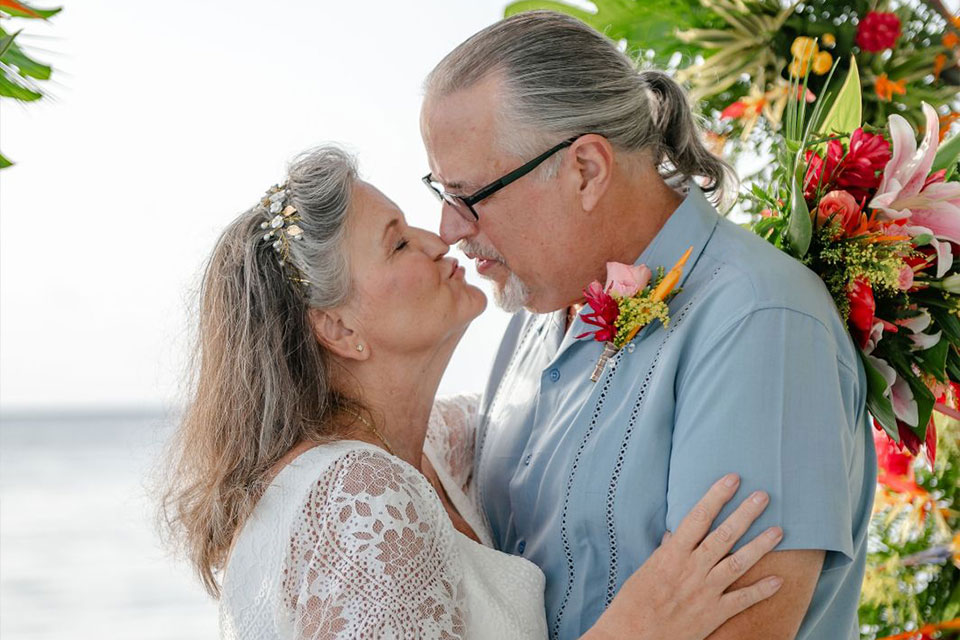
{"points": [[165, 124]]}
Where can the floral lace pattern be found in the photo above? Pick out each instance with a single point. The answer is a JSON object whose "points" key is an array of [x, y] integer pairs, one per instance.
{"points": [[369, 556], [450, 433]]}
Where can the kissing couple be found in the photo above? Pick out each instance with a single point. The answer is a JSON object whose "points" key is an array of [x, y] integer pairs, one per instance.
{"points": [[714, 478]]}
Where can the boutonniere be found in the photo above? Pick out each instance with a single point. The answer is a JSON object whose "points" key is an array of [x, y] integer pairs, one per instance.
{"points": [[631, 299]]}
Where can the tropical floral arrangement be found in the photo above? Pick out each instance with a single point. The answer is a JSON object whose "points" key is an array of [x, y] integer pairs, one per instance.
{"points": [[738, 57], [877, 217]]}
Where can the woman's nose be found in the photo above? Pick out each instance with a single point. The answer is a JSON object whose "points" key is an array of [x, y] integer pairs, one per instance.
{"points": [[433, 245]]}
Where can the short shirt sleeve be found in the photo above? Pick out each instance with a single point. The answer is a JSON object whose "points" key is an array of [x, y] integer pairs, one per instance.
{"points": [[768, 398], [371, 555]]}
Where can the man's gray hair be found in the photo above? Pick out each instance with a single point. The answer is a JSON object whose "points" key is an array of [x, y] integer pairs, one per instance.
{"points": [[561, 78]]}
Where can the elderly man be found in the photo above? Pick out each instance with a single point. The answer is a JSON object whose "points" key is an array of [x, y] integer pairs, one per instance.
{"points": [[553, 156]]}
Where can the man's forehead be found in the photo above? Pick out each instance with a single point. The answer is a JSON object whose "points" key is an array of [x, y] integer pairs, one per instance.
{"points": [[459, 131]]}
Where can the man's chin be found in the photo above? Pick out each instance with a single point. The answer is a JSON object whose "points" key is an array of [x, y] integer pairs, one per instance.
{"points": [[511, 295]]}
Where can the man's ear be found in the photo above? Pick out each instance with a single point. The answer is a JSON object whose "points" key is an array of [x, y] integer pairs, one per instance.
{"points": [[332, 330], [594, 158]]}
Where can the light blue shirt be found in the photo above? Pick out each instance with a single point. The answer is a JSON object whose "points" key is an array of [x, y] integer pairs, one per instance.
{"points": [[756, 374]]}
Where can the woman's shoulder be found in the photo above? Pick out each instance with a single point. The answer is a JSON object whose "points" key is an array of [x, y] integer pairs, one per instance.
{"points": [[346, 473]]}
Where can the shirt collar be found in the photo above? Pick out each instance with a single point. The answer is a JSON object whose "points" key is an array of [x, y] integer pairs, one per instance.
{"points": [[691, 225]]}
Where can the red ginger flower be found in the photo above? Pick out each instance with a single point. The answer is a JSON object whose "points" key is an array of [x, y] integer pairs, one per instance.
{"points": [[878, 31], [854, 170], [862, 308], [605, 313]]}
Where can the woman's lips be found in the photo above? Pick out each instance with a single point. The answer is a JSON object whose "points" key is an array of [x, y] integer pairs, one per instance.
{"points": [[455, 269]]}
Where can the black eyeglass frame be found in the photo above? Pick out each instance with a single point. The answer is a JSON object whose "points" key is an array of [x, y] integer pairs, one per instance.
{"points": [[496, 185]]}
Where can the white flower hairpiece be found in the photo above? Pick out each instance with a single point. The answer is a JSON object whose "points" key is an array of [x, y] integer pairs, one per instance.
{"points": [[281, 225]]}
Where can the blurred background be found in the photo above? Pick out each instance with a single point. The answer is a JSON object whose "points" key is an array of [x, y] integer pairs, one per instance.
{"points": [[161, 124]]}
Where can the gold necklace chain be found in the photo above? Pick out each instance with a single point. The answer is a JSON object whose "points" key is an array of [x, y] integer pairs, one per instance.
{"points": [[373, 429]]}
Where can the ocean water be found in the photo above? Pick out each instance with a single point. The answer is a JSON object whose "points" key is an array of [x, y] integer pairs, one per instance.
{"points": [[80, 556]]}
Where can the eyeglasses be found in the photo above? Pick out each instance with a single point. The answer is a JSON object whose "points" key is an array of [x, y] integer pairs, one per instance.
{"points": [[464, 204]]}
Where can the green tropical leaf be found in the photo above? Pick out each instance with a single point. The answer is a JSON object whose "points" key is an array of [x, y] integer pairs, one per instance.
{"points": [[925, 403], [14, 55], [6, 41], [948, 323], [878, 404], [644, 25], [846, 113], [15, 90], [800, 231], [16, 9], [947, 156], [934, 359], [4, 163]]}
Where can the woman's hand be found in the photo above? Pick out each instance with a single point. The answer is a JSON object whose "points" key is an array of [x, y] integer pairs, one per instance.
{"points": [[680, 591]]}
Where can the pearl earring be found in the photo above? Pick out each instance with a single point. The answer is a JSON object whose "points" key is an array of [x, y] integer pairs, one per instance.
{"points": [[359, 347]]}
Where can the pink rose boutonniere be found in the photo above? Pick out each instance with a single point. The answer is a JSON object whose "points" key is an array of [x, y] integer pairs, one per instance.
{"points": [[630, 300]]}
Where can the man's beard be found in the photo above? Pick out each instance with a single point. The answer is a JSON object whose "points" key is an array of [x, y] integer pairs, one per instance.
{"points": [[514, 294]]}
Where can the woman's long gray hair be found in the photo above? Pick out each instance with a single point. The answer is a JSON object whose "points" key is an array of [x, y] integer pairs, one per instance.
{"points": [[562, 78], [260, 381]]}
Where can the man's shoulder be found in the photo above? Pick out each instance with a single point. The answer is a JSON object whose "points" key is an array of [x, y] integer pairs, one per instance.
{"points": [[743, 274], [752, 274]]}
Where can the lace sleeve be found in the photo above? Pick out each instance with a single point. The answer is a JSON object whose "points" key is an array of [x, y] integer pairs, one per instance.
{"points": [[451, 431], [370, 557]]}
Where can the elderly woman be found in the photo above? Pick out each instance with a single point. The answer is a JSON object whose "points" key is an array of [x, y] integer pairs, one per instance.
{"points": [[319, 489]]}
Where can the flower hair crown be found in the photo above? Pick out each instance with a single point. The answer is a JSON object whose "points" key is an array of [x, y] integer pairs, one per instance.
{"points": [[281, 227]]}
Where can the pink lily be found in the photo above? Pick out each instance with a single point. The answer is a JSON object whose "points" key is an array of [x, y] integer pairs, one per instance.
{"points": [[909, 193], [944, 249], [898, 391]]}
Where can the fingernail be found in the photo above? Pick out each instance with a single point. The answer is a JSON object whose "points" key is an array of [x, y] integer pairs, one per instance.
{"points": [[759, 497], [730, 480], [776, 533], [775, 583]]}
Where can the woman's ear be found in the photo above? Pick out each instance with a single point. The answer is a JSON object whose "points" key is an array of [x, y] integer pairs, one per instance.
{"points": [[333, 331]]}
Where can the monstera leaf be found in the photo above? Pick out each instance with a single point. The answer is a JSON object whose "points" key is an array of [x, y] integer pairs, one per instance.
{"points": [[644, 25]]}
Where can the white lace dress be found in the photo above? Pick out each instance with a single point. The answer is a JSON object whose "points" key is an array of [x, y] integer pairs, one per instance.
{"points": [[351, 542]]}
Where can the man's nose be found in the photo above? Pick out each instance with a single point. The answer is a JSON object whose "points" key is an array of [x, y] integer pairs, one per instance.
{"points": [[454, 227]]}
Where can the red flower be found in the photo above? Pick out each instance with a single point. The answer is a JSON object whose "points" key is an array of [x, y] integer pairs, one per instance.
{"points": [[867, 155], [854, 171], [878, 31], [931, 442], [605, 313], [890, 456], [908, 438], [734, 110], [862, 308]]}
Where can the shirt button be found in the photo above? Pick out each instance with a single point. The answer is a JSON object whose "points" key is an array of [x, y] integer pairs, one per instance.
{"points": [[526, 460], [521, 546], [554, 374]]}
